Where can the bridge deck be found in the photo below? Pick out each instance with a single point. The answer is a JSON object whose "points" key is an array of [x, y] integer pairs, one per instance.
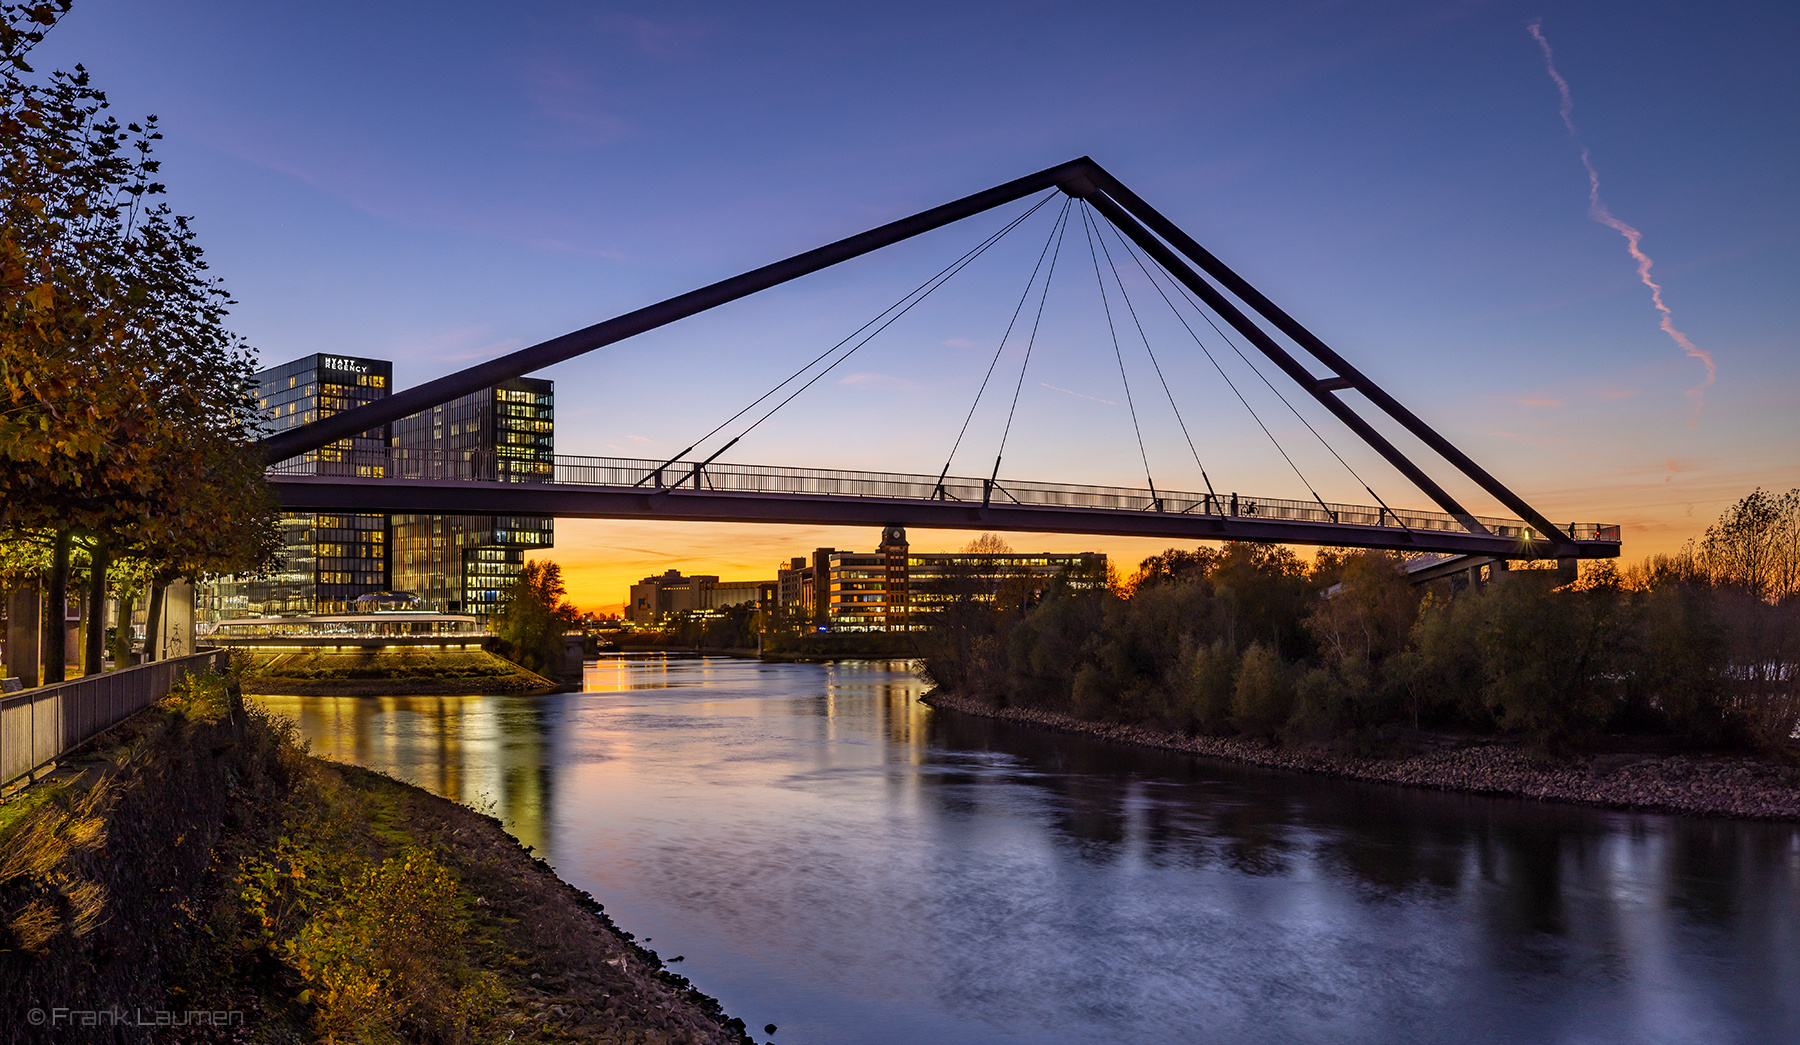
{"points": [[446, 482]]}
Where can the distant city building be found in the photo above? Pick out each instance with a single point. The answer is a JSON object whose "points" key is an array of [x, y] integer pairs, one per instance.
{"points": [[893, 588], [454, 564], [653, 599], [463, 563]]}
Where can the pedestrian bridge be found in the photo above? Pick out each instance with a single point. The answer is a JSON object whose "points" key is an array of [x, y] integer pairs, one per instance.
{"points": [[1076, 205], [453, 483]]}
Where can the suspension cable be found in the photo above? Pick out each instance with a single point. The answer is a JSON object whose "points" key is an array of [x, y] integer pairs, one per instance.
{"points": [[1188, 296], [1123, 293], [1228, 381], [1087, 226], [921, 291], [944, 277], [939, 492], [1029, 344]]}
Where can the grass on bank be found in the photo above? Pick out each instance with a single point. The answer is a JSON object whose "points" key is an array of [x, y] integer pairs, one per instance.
{"points": [[335, 905]]}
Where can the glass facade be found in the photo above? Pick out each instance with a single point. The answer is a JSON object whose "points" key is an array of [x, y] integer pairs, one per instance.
{"points": [[453, 563], [316, 386], [507, 432], [462, 563], [330, 560]]}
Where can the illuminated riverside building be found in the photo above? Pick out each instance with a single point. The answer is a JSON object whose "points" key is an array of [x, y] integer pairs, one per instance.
{"points": [[463, 563], [896, 589], [455, 564], [506, 432], [330, 559]]}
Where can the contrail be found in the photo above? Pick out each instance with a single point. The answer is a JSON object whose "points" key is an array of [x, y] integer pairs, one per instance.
{"points": [[1633, 238]]}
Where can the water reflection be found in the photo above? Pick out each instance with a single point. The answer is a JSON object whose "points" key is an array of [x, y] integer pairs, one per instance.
{"points": [[488, 753], [834, 857]]}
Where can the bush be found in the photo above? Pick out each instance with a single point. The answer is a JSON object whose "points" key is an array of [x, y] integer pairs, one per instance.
{"points": [[1263, 699], [1210, 675], [378, 949]]}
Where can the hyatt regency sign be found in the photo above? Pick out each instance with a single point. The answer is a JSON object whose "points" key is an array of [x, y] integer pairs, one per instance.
{"points": [[353, 366]]}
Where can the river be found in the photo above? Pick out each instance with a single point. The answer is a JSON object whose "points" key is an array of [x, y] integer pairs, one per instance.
{"points": [[834, 857]]}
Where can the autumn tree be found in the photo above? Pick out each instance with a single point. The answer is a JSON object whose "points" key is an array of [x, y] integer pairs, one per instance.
{"points": [[534, 616], [124, 417], [1755, 546], [1368, 614]]}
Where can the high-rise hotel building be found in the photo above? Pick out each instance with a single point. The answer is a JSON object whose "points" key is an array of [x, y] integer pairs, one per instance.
{"points": [[329, 560], [456, 564]]}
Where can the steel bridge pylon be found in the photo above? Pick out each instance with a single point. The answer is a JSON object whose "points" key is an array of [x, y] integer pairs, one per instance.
{"points": [[1215, 284]]}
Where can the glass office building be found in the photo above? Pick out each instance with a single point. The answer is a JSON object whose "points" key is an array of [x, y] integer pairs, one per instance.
{"points": [[330, 560], [463, 563], [454, 563], [311, 387]]}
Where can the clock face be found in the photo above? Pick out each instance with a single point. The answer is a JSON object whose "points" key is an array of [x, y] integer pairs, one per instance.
{"points": [[894, 535]]}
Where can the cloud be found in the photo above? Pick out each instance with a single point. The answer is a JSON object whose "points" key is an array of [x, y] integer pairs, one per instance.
{"points": [[874, 380], [453, 344], [1078, 395], [569, 98], [1633, 238], [659, 38], [488, 351], [1538, 403]]}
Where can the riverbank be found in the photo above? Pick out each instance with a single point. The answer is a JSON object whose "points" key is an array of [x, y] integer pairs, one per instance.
{"points": [[196, 862], [556, 967], [318, 671], [1701, 785]]}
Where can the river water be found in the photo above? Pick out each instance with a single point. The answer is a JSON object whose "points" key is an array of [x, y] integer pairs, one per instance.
{"points": [[834, 857]]}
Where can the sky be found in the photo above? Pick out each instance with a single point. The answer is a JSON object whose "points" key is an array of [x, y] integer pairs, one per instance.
{"points": [[439, 184]]}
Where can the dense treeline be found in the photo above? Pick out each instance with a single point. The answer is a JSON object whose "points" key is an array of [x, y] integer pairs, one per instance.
{"points": [[127, 436], [1699, 647]]}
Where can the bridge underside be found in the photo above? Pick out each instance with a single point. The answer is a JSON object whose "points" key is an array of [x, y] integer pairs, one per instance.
{"points": [[566, 501]]}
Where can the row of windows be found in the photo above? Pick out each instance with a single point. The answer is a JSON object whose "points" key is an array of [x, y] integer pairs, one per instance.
{"points": [[376, 523], [283, 393], [346, 577], [372, 550]]}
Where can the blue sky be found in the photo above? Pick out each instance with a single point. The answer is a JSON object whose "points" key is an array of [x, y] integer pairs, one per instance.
{"points": [[436, 184]]}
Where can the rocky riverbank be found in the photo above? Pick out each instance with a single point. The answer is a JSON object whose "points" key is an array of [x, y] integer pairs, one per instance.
{"points": [[1702, 785]]}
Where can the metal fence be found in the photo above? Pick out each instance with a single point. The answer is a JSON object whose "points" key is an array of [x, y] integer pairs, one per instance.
{"points": [[816, 482], [38, 725]]}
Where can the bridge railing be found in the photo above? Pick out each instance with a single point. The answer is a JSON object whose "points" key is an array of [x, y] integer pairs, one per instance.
{"points": [[824, 482]]}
